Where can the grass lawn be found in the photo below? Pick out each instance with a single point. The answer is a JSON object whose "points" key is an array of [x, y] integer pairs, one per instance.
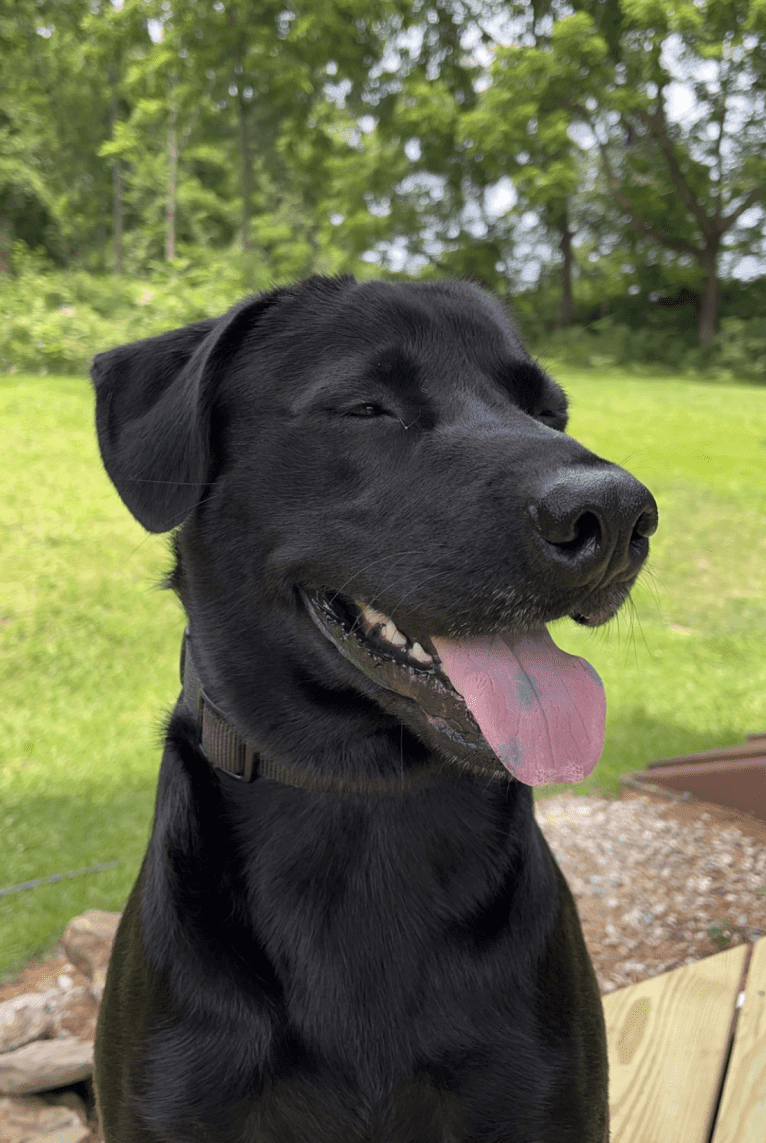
{"points": [[89, 647]]}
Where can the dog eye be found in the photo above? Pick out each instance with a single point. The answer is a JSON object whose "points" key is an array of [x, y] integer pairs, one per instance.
{"points": [[367, 409]]}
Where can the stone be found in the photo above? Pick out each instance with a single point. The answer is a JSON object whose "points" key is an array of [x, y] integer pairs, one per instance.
{"points": [[44, 1065], [25, 1018], [88, 941], [33, 1120], [68, 1099], [75, 1013]]}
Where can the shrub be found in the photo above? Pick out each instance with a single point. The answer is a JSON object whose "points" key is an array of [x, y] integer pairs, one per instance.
{"points": [[54, 321], [740, 349], [737, 354]]}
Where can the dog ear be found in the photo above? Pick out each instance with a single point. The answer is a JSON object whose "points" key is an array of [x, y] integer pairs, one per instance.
{"points": [[153, 405]]}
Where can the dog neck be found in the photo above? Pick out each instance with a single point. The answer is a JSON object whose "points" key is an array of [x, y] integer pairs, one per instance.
{"points": [[244, 758]]}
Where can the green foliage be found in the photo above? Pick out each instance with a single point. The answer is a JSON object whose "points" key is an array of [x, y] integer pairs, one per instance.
{"points": [[649, 319], [328, 134], [54, 321], [691, 184], [738, 352], [740, 349], [520, 124], [115, 145]]}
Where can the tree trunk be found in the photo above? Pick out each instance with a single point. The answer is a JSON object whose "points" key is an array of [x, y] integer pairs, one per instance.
{"points": [[246, 169], [566, 305], [6, 245], [170, 229], [117, 185], [102, 239], [117, 215], [708, 315]]}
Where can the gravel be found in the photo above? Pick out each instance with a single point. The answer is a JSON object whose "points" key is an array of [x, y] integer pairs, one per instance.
{"points": [[657, 884]]}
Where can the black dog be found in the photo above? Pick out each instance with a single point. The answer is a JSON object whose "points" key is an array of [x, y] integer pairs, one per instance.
{"points": [[348, 926]]}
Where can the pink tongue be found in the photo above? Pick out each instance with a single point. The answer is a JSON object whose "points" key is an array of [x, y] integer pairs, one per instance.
{"points": [[541, 710]]}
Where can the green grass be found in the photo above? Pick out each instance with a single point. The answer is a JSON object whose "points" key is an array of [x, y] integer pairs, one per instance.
{"points": [[89, 648], [88, 664]]}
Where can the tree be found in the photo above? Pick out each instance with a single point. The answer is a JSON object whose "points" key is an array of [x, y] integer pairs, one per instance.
{"points": [[108, 36], [60, 91], [27, 188], [404, 189], [521, 126], [264, 70], [686, 183]]}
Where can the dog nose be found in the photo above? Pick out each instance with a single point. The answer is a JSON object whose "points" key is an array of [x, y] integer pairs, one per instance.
{"points": [[592, 521]]}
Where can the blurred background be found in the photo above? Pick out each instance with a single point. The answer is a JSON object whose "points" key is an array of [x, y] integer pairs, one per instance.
{"points": [[602, 162], [600, 165]]}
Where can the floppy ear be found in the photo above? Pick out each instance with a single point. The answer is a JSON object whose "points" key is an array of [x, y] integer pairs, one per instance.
{"points": [[153, 405]]}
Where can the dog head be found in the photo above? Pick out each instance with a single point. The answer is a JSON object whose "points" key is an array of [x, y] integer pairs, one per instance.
{"points": [[379, 509]]}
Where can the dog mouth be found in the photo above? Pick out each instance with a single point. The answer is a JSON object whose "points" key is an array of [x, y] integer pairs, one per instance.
{"points": [[376, 632], [403, 668], [513, 698], [394, 661]]}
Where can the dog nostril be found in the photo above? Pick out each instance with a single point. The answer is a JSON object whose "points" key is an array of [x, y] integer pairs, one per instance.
{"points": [[588, 519], [646, 524], [565, 528], [583, 531]]}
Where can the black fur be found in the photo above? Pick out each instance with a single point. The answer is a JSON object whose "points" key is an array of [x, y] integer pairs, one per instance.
{"points": [[304, 967]]}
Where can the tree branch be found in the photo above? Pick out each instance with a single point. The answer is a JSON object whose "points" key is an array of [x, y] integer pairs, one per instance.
{"points": [[657, 125], [642, 224], [723, 84], [728, 220]]}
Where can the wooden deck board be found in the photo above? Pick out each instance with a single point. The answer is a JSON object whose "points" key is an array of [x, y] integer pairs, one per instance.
{"points": [[668, 1039], [742, 1115]]}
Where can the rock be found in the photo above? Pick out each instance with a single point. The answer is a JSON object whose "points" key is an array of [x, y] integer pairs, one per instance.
{"points": [[88, 941], [68, 1099], [33, 1120], [44, 1065], [25, 1018], [74, 1013]]}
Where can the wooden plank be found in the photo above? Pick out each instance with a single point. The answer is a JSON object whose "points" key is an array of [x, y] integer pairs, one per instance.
{"points": [[668, 1038], [740, 785], [754, 747], [742, 1116]]}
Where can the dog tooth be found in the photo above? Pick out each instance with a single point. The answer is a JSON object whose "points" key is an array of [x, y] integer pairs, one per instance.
{"points": [[416, 652], [373, 617], [392, 634]]}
